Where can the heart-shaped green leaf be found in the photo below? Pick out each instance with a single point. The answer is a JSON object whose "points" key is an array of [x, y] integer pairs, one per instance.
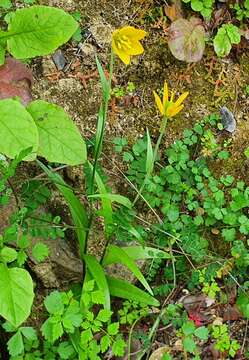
{"points": [[16, 294]]}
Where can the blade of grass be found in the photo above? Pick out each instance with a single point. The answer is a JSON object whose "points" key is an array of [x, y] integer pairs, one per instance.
{"points": [[106, 203], [116, 255], [77, 210], [114, 198], [125, 290], [142, 253], [149, 157], [98, 275]]}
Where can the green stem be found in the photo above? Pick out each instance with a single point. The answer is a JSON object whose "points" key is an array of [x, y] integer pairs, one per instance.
{"points": [[159, 140], [105, 105]]}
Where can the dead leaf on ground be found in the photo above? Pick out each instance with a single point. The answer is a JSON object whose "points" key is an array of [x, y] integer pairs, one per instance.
{"points": [[173, 12], [194, 302], [15, 80], [158, 353], [231, 313]]}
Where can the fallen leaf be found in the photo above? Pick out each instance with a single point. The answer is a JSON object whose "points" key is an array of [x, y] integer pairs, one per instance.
{"points": [[172, 12], [16, 80], [158, 353], [232, 313], [187, 39]]}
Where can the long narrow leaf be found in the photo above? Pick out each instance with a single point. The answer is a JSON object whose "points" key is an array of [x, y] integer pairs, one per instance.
{"points": [[99, 132], [150, 156], [106, 203], [77, 210], [142, 253], [98, 274], [114, 198], [103, 80], [125, 290], [116, 255]]}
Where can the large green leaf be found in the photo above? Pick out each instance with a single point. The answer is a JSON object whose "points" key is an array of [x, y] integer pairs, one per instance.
{"points": [[116, 255], [78, 212], [38, 30], [59, 138], [16, 294], [125, 290], [2, 49], [98, 275], [17, 129]]}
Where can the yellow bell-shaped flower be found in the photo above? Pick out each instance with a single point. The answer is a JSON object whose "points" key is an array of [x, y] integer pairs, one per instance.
{"points": [[126, 42]]}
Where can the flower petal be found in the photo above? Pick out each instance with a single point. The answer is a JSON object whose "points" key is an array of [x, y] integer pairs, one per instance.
{"points": [[124, 57], [114, 47], [175, 110], [172, 96], [133, 33], [181, 98], [165, 94], [158, 102], [136, 48], [121, 53]]}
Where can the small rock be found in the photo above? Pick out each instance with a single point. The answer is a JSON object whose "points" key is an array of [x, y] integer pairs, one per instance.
{"points": [[48, 66], [59, 60], [227, 119]]}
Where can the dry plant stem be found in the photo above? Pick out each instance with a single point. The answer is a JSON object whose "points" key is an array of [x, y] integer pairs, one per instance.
{"points": [[159, 140]]}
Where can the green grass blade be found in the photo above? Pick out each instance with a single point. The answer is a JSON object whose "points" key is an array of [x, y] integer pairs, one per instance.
{"points": [[116, 255], [106, 203], [125, 290], [142, 253], [98, 275], [99, 132], [77, 210], [150, 155], [114, 198], [104, 82]]}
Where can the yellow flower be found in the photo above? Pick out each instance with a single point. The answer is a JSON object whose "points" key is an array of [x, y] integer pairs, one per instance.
{"points": [[168, 107], [125, 42]]}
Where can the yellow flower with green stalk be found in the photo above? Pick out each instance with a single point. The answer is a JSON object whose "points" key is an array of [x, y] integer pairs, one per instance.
{"points": [[168, 107], [126, 43]]}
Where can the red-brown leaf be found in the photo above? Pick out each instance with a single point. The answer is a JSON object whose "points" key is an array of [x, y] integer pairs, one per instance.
{"points": [[15, 80]]}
